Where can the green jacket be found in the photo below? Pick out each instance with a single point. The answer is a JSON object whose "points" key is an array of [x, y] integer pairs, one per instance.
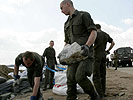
{"points": [[78, 27], [49, 53]]}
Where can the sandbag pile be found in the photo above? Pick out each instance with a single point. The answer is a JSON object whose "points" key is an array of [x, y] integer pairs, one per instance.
{"points": [[6, 83], [6, 88], [4, 70], [9, 87], [21, 86], [2, 79]]}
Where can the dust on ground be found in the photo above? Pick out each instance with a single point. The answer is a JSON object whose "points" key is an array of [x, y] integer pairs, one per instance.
{"points": [[119, 87]]}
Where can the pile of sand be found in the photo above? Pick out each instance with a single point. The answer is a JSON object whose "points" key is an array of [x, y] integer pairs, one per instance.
{"points": [[4, 70]]}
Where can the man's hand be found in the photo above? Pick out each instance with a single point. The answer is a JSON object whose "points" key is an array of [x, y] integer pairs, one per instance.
{"points": [[16, 77], [85, 49], [107, 52], [17, 81], [63, 63], [33, 98]]}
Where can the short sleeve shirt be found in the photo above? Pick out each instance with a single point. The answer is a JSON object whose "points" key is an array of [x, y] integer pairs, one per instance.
{"points": [[35, 68], [101, 42]]}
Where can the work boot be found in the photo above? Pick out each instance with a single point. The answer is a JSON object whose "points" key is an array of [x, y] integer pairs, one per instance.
{"points": [[50, 98], [95, 96], [51, 87], [41, 97], [44, 89], [101, 97]]}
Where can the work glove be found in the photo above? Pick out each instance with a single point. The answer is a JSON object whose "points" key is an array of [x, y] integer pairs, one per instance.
{"points": [[85, 50], [16, 77], [33, 98], [63, 63]]}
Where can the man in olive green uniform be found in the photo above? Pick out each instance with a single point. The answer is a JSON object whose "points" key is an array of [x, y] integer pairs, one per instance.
{"points": [[79, 28], [49, 53], [115, 60], [99, 72], [34, 64], [107, 62]]}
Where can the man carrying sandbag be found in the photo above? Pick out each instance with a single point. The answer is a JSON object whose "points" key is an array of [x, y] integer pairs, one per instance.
{"points": [[79, 28]]}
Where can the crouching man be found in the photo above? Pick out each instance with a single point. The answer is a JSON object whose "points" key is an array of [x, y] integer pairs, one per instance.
{"points": [[34, 64]]}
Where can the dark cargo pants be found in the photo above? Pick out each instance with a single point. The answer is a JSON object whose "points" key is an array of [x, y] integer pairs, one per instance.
{"points": [[77, 73], [49, 76], [99, 75]]}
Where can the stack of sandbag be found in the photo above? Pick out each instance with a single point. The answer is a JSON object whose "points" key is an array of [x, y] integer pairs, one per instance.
{"points": [[9, 87], [6, 88], [71, 54], [21, 86], [2, 79], [4, 70]]}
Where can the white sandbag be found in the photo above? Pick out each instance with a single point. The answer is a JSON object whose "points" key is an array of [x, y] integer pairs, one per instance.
{"points": [[60, 86], [22, 74], [71, 54]]}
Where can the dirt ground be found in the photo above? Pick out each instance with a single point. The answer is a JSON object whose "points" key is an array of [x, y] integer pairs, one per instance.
{"points": [[119, 87]]}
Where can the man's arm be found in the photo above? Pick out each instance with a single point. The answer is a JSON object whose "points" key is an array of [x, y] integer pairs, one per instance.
{"points": [[91, 28], [44, 55], [91, 38], [89, 42], [36, 86], [111, 46], [16, 69], [18, 62]]}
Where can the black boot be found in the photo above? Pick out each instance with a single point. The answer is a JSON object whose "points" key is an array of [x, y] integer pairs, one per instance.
{"points": [[41, 97], [95, 96], [44, 89]]}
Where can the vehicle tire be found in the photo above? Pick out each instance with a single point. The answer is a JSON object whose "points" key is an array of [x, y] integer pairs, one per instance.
{"points": [[130, 64], [123, 64]]}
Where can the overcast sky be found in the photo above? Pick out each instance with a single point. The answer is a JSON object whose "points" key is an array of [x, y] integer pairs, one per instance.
{"points": [[31, 24]]}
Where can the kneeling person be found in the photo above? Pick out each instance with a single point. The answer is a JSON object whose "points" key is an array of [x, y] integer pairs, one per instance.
{"points": [[34, 64]]}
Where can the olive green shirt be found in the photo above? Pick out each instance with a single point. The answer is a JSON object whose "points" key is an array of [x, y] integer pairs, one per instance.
{"points": [[78, 27], [36, 67], [49, 53], [100, 43]]}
